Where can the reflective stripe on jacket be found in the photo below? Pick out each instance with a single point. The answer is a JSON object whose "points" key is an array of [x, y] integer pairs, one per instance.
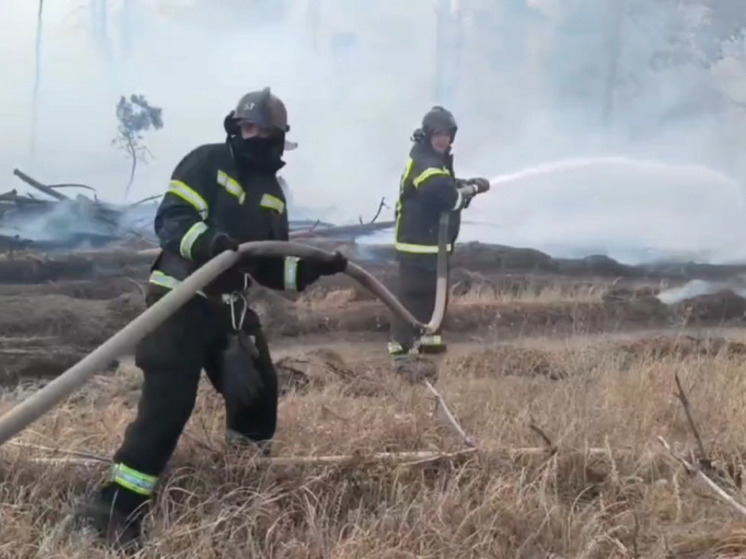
{"points": [[427, 189], [209, 195]]}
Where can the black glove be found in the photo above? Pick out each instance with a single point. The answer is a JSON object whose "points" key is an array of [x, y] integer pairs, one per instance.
{"points": [[232, 279], [336, 265], [311, 270], [220, 243], [467, 193], [479, 184], [208, 247]]}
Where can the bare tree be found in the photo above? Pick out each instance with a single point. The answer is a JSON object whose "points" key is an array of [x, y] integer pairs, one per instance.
{"points": [[136, 116]]}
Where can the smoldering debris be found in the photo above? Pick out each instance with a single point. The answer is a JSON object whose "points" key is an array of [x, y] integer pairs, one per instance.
{"points": [[58, 222], [61, 222]]}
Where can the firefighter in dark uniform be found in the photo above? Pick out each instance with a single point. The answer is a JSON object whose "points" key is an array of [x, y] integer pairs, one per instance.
{"points": [[428, 188], [220, 195]]}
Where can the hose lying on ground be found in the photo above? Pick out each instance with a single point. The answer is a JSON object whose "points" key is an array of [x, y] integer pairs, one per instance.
{"points": [[24, 413]]}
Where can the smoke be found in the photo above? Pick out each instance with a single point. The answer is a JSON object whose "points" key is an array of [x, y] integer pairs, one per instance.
{"points": [[66, 224], [658, 85], [695, 288]]}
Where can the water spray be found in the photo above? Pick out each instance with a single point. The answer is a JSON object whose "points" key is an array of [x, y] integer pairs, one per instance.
{"points": [[574, 164]]}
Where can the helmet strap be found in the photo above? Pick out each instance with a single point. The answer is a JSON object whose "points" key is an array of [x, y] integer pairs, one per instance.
{"points": [[230, 125]]}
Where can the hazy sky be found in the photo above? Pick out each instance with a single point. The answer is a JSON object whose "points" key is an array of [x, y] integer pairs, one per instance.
{"points": [[529, 91]]}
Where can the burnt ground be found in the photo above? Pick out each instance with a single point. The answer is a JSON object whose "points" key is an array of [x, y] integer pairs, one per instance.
{"points": [[64, 307]]}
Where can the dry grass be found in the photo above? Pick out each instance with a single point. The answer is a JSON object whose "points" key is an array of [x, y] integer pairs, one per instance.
{"points": [[483, 293], [539, 295], [630, 500]]}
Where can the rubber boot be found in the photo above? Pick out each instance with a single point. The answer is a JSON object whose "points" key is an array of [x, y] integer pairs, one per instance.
{"points": [[430, 345], [115, 514], [396, 350]]}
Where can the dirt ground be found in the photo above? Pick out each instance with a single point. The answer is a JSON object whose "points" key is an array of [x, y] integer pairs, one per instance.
{"points": [[563, 381]]}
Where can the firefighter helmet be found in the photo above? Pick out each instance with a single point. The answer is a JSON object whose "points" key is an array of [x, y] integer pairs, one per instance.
{"points": [[439, 119], [264, 109]]}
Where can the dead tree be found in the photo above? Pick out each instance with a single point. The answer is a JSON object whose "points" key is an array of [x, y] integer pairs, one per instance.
{"points": [[136, 116]]}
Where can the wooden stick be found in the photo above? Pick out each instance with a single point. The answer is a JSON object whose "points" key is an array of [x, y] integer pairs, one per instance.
{"points": [[398, 458], [449, 419], [68, 452], [689, 467], [68, 461], [682, 397], [551, 447]]}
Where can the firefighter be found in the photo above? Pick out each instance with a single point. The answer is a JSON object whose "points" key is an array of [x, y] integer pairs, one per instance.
{"points": [[220, 195], [428, 188]]}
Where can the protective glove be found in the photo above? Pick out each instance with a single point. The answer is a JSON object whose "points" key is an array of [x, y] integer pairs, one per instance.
{"points": [[232, 279], [336, 265], [220, 243], [208, 247], [479, 184], [311, 270]]}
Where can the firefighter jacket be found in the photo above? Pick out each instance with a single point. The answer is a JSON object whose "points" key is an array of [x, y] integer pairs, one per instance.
{"points": [[209, 195], [427, 189]]}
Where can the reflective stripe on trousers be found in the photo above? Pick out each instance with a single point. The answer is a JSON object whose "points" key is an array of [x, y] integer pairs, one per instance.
{"points": [[420, 249], [431, 340], [395, 348], [131, 479]]}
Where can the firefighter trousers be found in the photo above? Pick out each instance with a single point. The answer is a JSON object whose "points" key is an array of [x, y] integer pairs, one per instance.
{"points": [[172, 358], [416, 290]]}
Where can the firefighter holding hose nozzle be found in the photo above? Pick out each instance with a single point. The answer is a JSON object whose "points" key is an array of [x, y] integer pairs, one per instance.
{"points": [[220, 195], [428, 188]]}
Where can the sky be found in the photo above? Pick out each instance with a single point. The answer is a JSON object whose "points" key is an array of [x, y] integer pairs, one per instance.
{"points": [[528, 90]]}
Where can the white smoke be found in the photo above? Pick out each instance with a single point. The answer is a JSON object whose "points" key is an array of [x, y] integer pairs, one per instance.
{"points": [[695, 288]]}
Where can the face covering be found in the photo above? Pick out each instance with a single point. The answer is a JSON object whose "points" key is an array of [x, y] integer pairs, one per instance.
{"points": [[259, 154]]}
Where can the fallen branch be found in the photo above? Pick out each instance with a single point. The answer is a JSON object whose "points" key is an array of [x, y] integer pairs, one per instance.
{"points": [[448, 417], [397, 458], [703, 460], [391, 458], [137, 284], [148, 199], [67, 461], [19, 351], [68, 452], [381, 205], [72, 185], [692, 469], [551, 447], [39, 186]]}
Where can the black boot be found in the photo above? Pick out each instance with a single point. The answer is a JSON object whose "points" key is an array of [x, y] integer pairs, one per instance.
{"points": [[116, 515]]}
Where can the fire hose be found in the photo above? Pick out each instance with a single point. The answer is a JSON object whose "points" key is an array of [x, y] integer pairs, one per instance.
{"points": [[29, 410]]}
